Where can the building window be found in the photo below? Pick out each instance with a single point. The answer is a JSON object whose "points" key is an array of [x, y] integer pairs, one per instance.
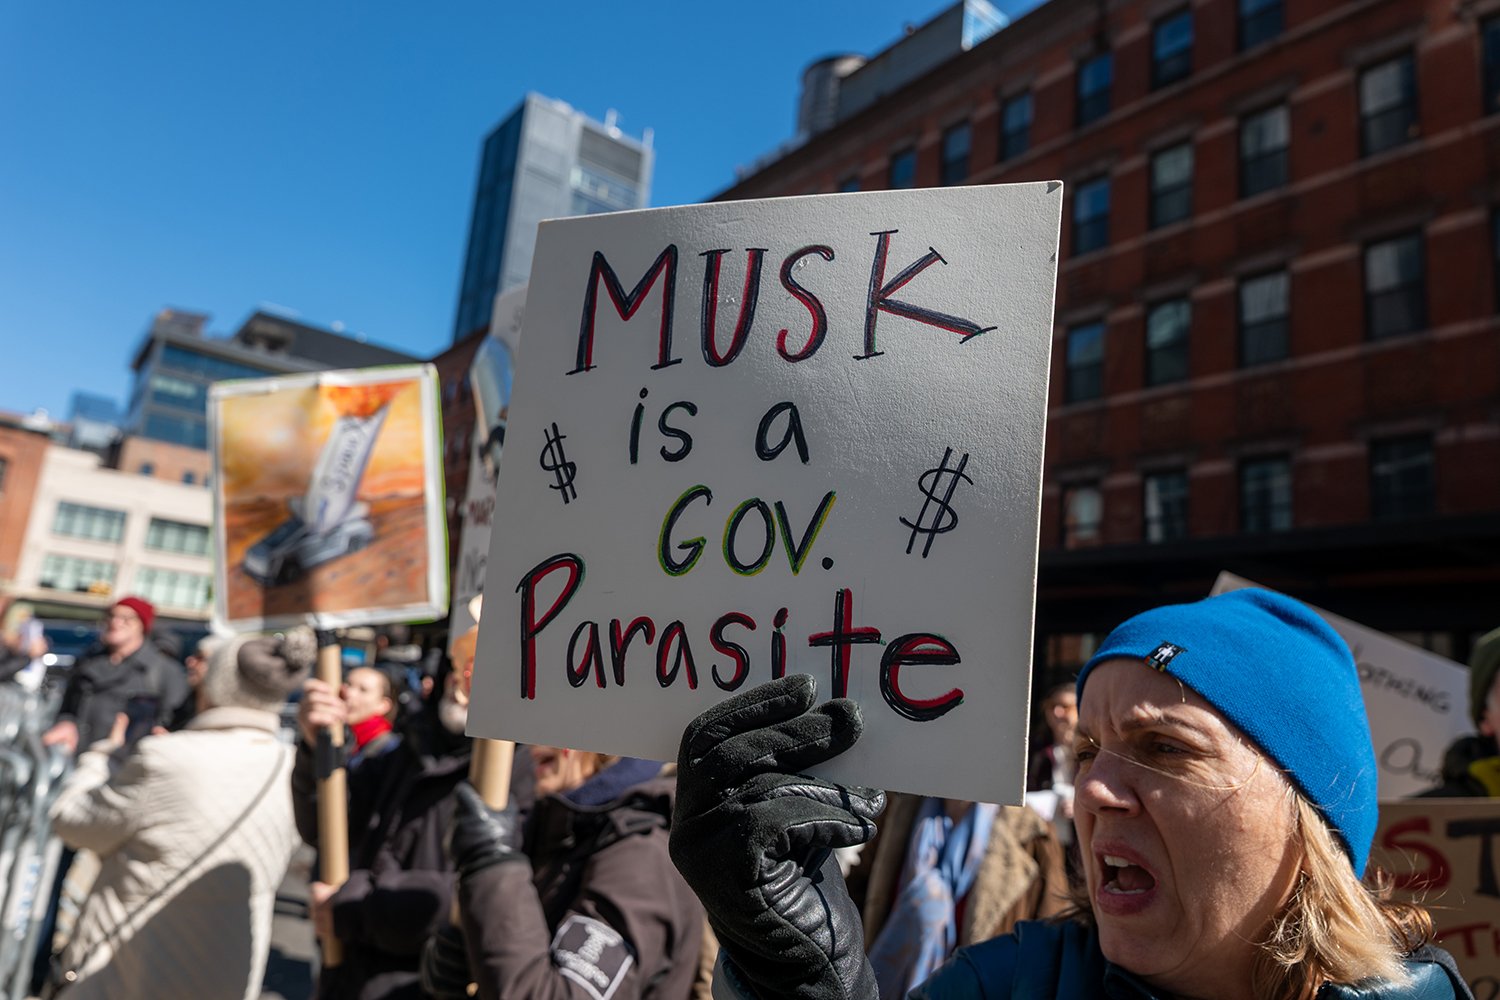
{"points": [[148, 469], [1263, 318], [956, 153], [1095, 77], [1166, 496], [177, 536], [1265, 494], [1495, 256], [1491, 45], [1387, 105], [173, 589], [97, 524], [87, 576], [1167, 341], [1260, 21], [168, 390], [1402, 483], [1015, 126], [186, 431], [1172, 48], [1395, 287], [1172, 185], [1085, 363], [1091, 216], [850, 183], [1082, 515], [4, 468], [903, 173], [180, 359], [1264, 137], [188, 478]]}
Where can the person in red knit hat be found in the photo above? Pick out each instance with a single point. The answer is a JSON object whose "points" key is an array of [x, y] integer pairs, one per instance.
{"points": [[102, 683]]}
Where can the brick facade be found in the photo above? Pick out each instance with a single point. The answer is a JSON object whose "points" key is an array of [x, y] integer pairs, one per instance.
{"points": [[173, 462], [1381, 395], [21, 452]]}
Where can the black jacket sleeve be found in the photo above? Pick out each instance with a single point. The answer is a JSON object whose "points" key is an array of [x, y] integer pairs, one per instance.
{"points": [[12, 664], [305, 794], [393, 911], [632, 924]]}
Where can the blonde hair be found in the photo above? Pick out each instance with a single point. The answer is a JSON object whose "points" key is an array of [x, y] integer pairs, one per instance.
{"points": [[594, 762], [1335, 928]]}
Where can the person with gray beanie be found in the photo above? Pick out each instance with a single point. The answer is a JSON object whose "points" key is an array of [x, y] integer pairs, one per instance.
{"points": [[194, 832]]}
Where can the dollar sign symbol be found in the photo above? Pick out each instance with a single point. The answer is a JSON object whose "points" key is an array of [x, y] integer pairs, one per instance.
{"points": [[556, 462], [944, 517]]}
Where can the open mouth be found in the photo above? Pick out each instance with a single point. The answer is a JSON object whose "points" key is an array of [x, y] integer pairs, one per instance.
{"points": [[1121, 877]]}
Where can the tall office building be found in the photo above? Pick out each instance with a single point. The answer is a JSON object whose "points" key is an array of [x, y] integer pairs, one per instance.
{"points": [[94, 422], [176, 363], [543, 161]]}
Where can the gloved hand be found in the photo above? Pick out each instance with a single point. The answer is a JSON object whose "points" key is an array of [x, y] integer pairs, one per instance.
{"points": [[754, 839], [445, 965], [479, 836]]}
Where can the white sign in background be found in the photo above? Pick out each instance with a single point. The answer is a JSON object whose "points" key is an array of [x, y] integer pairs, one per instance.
{"points": [[797, 435], [1417, 701]]}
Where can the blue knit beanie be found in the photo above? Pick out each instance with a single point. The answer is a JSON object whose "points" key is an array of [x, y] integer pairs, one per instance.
{"points": [[1279, 673]]}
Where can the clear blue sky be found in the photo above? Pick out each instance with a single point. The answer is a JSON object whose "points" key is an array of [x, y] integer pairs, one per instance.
{"points": [[320, 155]]}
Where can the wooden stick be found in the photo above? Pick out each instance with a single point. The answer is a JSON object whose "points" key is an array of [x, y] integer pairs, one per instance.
{"points": [[489, 770], [333, 795]]}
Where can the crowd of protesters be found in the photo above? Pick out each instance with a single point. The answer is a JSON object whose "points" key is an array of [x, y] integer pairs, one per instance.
{"points": [[192, 804]]}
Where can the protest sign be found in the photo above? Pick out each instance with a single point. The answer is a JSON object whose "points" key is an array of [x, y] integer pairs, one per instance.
{"points": [[797, 435], [328, 499], [1417, 701], [490, 376], [1442, 854]]}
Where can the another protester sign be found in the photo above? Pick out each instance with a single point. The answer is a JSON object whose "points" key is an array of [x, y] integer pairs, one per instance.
{"points": [[328, 498], [1442, 854], [1417, 701], [798, 435], [490, 376]]}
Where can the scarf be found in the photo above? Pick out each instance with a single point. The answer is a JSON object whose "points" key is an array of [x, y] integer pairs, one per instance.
{"points": [[372, 728], [942, 862]]}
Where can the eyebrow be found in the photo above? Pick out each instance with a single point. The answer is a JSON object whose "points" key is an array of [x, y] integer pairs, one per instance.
{"points": [[1156, 720]]}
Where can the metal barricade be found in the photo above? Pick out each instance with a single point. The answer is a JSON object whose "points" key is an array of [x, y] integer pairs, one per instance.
{"points": [[30, 775]]}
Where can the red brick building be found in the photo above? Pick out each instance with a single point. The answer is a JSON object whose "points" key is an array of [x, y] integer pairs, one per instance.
{"points": [[458, 431], [21, 451], [1277, 348]]}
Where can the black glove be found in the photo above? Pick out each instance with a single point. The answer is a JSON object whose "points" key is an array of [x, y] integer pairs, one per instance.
{"points": [[754, 839], [445, 965], [479, 836]]}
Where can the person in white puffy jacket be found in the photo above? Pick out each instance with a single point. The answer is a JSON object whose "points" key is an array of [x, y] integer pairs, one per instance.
{"points": [[194, 833]]}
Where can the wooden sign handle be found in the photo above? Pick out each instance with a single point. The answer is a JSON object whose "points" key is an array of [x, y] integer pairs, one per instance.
{"points": [[489, 770], [333, 792]]}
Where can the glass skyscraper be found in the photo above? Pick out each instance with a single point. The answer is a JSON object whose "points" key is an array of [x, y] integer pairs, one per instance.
{"points": [[544, 161]]}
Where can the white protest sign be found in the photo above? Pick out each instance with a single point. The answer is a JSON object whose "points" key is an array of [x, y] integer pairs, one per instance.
{"points": [[1417, 701], [800, 435]]}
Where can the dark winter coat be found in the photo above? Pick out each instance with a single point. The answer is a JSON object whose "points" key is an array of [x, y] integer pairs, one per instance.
{"points": [[1471, 769], [98, 689], [601, 914], [400, 887], [1063, 961], [12, 663]]}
